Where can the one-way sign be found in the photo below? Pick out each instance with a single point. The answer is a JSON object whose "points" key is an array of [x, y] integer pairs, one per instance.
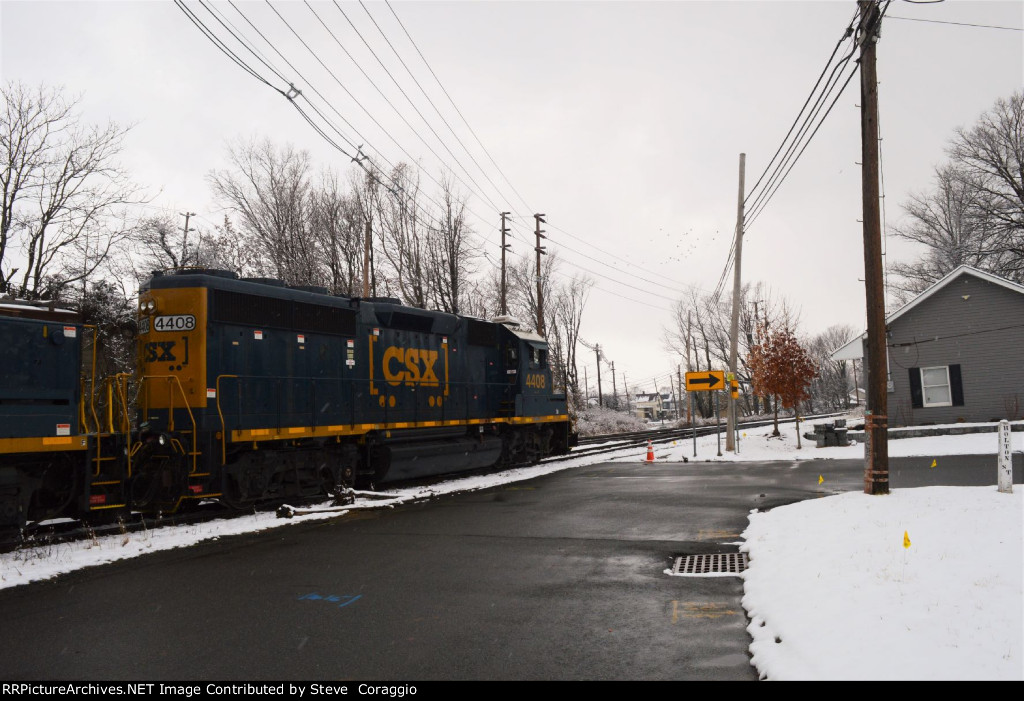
{"points": [[705, 381]]}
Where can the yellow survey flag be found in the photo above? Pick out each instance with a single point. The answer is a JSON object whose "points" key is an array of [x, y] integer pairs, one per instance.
{"points": [[906, 540], [934, 463], [820, 479]]}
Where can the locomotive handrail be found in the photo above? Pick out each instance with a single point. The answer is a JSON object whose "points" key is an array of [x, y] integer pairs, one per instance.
{"points": [[170, 411], [92, 377], [223, 429], [121, 383]]}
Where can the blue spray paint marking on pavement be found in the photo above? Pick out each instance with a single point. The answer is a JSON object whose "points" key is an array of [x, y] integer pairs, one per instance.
{"points": [[345, 600]]}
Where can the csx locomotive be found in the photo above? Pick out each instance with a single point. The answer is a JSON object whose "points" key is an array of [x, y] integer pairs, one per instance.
{"points": [[248, 391]]}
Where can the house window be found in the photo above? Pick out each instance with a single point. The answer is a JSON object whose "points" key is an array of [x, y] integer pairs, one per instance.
{"points": [[935, 386]]}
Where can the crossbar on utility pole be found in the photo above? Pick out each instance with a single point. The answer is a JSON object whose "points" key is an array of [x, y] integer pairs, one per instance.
{"points": [[876, 419]]}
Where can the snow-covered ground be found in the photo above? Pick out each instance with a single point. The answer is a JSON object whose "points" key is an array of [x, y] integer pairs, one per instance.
{"points": [[923, 583]]}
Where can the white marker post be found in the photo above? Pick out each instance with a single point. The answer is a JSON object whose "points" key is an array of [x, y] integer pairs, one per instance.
{"points": [[1005, 458]]}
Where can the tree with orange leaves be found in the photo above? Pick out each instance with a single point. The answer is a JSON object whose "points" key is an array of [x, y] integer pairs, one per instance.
{"points": [[783, 369]]}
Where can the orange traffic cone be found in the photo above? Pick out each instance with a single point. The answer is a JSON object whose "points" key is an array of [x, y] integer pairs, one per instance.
{"points": [[650, 452]]}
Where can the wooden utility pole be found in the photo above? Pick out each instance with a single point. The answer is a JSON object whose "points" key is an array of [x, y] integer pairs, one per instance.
{"points": [[689, 342], [730, 431], [366, 260], [597, 352], [615, 391], [504, 247], [876, 414], [540, 288], [679, 384]]}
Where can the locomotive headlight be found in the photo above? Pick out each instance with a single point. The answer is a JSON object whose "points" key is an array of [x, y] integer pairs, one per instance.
{"points": [[162, 439]]}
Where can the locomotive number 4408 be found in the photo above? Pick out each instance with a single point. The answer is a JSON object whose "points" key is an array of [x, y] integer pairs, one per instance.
{"points": [[177, 322], [537, 381]]}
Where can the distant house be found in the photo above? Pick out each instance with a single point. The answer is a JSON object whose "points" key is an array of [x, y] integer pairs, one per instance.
{"points": [[668, 405], [648, 405], [954, 352]]}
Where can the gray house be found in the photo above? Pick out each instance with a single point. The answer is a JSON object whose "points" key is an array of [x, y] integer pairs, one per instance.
{"points": [[956, 352]]}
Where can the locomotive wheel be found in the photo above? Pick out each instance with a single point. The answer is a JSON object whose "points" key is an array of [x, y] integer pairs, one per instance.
{"points": [[160, 484], [59, 484]]}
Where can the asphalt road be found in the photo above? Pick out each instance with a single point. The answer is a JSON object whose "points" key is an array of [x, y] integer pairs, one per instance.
{"points": [[558, 578]]}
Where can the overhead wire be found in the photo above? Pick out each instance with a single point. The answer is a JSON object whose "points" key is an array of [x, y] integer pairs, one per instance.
{"points": [[779, 168], [425, 94], [359, 156]]}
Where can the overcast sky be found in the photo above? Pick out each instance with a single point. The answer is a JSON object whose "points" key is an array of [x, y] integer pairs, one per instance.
{"points": [[621, 121]]}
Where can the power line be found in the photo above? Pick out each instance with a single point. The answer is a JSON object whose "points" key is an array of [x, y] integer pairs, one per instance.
{"points": [[959, 24], [293, 93]]}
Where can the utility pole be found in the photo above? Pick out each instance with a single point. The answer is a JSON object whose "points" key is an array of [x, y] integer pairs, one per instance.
{"points": [[366, 260], [730, 431], [679, 384], [625, 389], [689, 341], [504, 247], [184, 237], [540, 290], [597, 352], [615, 392], [876, 414]]}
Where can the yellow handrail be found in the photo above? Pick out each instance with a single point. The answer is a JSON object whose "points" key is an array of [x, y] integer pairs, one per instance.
{"points": [[92, 376], [170, 411], [223, 430]]}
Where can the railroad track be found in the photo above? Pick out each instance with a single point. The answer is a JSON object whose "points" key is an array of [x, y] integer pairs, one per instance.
{"points": [[52, 533]]}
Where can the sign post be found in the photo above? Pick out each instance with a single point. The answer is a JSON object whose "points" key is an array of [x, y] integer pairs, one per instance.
{"points": [[1005, 458]]}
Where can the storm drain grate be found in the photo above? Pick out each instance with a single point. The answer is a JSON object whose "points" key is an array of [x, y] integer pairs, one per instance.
{"points": [[719, 563]]}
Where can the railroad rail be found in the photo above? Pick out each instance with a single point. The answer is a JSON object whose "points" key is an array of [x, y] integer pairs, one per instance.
{"points": [[64, 531]]}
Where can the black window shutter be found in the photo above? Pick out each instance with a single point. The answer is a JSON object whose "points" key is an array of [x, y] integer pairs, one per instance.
{"points": [[956, 385], [916, 398]]}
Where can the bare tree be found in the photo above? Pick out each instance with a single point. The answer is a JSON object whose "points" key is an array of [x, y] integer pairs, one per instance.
{"points": [[568, 317], [64, 194], [161, 243], [975, 214], [403, 237], [522, 289], [269, 189], [831, 387], [701, 324], [450, 254], [991, 155], [948, 223], [336, 224]]}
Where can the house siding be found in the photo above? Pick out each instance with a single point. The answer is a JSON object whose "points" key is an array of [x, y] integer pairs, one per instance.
{"points": [[983, 334]]}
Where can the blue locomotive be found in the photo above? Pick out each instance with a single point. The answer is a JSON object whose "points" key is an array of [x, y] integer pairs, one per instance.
{"points": [[62, 446], [249, 391]]}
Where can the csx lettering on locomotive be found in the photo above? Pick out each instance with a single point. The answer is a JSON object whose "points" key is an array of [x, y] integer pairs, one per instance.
{"points": [[412, 366]]}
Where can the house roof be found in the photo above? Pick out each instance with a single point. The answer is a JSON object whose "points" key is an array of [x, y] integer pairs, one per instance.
{"points": [[854, 350]]}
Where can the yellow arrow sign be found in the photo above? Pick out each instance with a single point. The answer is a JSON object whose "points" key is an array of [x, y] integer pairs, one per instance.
{"points": [[705, 381]]}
